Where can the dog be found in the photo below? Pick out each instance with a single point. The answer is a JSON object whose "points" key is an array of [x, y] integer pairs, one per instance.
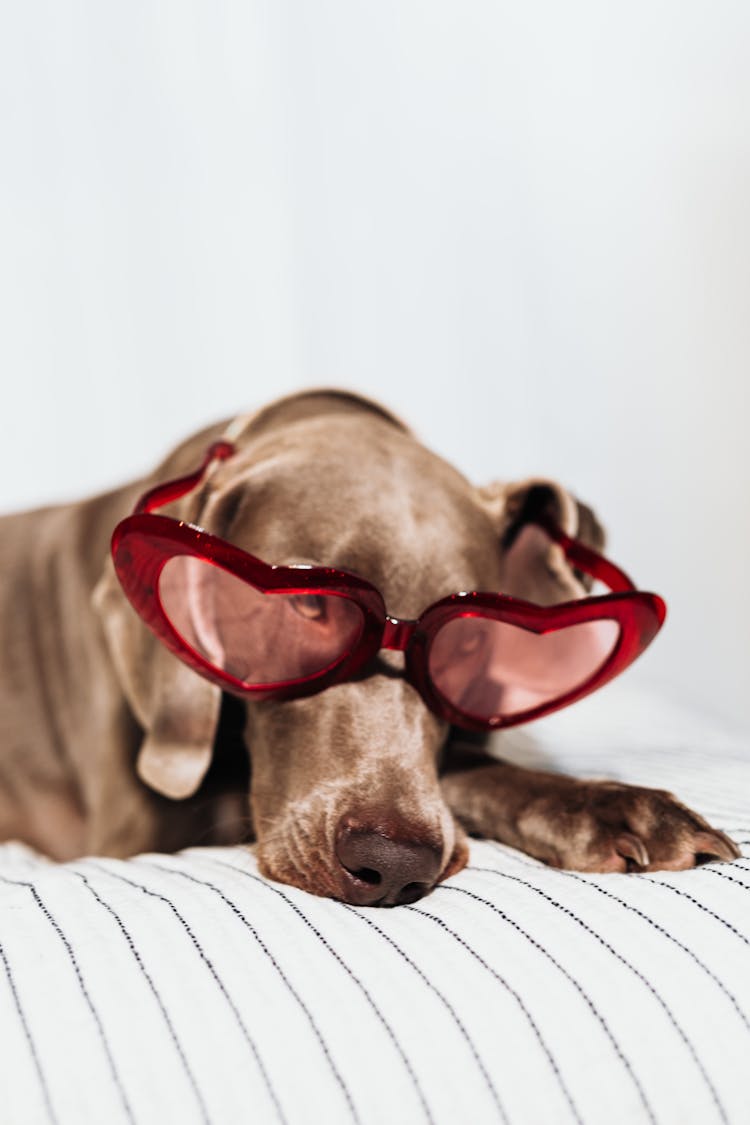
{"points": [[112, 746]]}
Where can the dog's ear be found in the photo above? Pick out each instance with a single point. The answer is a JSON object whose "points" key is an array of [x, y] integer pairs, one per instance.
{"points": [[535, 568], [177, 709]]}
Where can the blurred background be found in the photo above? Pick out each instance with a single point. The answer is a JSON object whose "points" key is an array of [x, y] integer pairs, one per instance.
{"points": [[525, 227]]}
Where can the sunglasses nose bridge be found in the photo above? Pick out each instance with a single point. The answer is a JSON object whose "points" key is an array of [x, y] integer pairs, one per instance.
{"points": [[397, 634]]}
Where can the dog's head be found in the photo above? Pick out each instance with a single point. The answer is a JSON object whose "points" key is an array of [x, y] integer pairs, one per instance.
{"points": [[345, 797]]}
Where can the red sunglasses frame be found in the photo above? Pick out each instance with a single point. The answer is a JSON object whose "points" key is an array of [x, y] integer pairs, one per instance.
{"points": [[143, 543]]}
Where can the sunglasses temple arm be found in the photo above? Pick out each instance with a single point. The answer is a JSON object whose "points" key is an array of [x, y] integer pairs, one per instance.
{"points": [[590, 562], [174, 489]]}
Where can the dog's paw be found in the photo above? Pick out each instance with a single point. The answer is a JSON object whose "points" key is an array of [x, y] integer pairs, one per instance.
{"points": [[608, 826]]}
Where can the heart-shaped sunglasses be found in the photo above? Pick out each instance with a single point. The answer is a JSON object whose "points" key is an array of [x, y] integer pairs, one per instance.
{"points": [[479, 660]]}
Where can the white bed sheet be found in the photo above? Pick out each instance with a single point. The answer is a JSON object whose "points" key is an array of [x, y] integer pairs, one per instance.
{"points": [[189, 989]]}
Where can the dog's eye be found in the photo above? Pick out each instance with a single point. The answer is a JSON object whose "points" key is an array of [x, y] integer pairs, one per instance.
{"points": [[310, 606], [472, 642]]}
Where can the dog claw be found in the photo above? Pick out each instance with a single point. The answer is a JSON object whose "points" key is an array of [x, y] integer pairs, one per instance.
{"points": [[715, 844], [630, 847]]}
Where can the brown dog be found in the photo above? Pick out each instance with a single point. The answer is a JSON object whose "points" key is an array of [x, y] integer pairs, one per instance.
{"points": [[111, 745]]}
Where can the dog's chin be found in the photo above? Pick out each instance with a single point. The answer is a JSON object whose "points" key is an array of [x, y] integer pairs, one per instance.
{"points": [[312, 876]]}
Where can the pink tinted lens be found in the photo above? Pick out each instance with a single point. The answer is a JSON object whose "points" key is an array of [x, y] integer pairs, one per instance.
{"points": [[260, 639], [490, 669]]}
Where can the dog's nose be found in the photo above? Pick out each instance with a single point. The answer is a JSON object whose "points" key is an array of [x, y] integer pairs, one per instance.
{"points": [[383, 871]]}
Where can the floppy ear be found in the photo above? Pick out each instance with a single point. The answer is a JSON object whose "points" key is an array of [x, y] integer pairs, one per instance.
{"points": [[535, 568], [178, 710]]}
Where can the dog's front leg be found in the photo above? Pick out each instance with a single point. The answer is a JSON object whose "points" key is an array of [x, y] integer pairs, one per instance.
{"points": [[582, 825]]}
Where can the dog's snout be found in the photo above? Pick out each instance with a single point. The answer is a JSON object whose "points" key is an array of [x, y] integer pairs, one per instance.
{"points": [[382, 870]]}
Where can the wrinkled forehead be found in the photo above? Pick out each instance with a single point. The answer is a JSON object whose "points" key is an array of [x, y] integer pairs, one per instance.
{"points": [[364, 497]]}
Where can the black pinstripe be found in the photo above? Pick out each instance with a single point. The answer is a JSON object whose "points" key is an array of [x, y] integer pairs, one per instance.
{"points": [[725, 874], [509, 988], [149, 980], [445, 1002], [347, 969], [86, 994], [629, 965], [701, 906], [576, 984], [670, 937], [535, 864], [209, 965], [29, 1039], [310, 1018]]}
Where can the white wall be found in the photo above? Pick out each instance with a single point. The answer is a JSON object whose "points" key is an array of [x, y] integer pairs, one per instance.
{"points": [[525, 226]]}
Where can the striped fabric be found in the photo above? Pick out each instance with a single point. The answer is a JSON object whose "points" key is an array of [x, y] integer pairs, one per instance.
{"points": [[189, 989]]}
